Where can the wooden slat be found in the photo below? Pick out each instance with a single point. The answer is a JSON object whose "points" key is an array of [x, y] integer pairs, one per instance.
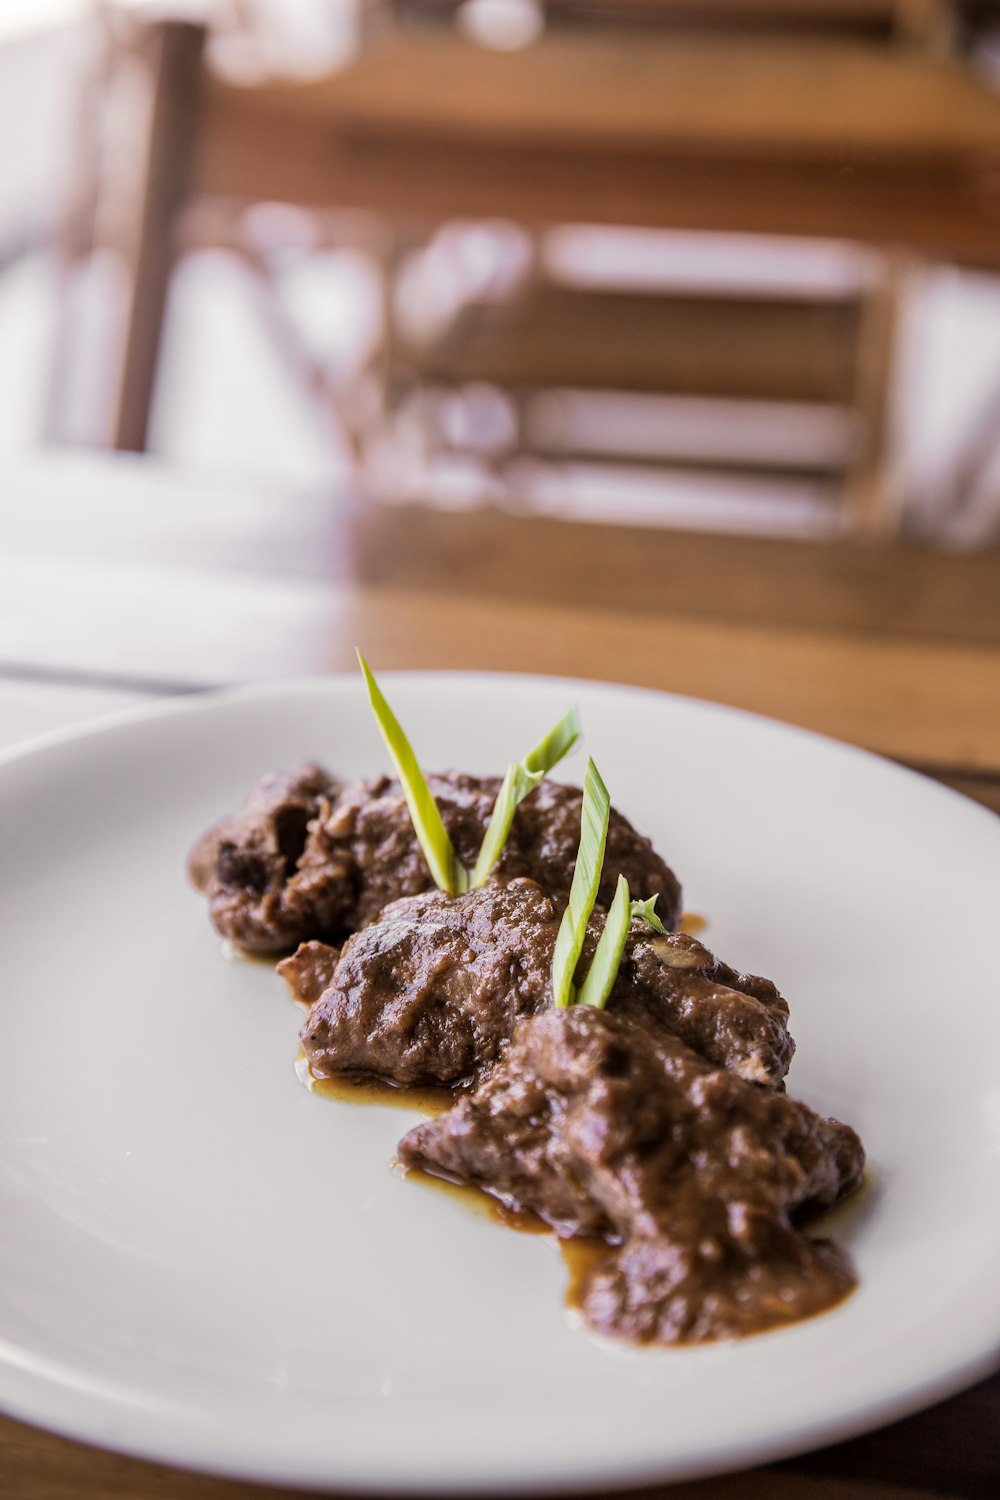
{"points": [[825, 477], [780, 349], [827, 16], [812, 14], [735, 97], [923, 21], [405, 133]]}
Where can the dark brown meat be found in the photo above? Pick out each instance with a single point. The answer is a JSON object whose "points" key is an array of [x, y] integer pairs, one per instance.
{"points": [[690, 1173], [309, 971], [370, 828], [304, 858], [261, 892], [430, 992], [738, 1021]]}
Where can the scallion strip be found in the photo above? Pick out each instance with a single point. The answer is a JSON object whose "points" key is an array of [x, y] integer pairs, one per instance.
{"points": [[644, 910], [522, 777], [447, 869], [603, 970], [594, 816], [558, 742]]}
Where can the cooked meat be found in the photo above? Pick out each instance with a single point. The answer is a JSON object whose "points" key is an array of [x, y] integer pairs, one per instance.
{"points": [[304, 858], [657, 1129], [689, 1172], [309, 971], [370, 826], [430, 992], [261, 893], [738, 1021]]}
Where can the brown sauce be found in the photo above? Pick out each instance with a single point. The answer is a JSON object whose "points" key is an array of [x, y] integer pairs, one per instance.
{"points": [[232, 953], [480, 1203], [581, 1256], [360, 1090]]}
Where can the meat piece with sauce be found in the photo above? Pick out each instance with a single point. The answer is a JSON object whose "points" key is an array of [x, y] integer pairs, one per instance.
{"points": [[429, 993], [371, 825], [690, 1174], [307, 859], [263, 894], [739, 1021]]}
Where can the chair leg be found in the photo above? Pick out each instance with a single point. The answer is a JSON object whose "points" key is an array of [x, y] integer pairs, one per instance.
{"points": [[177, 64]]}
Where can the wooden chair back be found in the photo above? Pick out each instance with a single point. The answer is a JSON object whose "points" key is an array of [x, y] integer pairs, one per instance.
{"points": [[427, 129], [878, 20]]}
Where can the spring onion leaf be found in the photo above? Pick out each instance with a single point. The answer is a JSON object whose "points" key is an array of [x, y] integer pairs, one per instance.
{"points": [[603, 970], [558, 742], [516, 785], [644, 910], [522, 777], [447, 869], [594, 817]]}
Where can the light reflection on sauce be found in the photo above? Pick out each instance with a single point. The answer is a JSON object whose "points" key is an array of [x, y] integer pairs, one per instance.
{"points": [[692, 923], [478, 1202], [359, 1090]]}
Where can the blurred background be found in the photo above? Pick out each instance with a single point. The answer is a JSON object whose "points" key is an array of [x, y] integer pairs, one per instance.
{"points": [[257, 239]]}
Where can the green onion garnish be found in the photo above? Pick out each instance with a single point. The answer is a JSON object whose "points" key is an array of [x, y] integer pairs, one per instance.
{"points": [[603, 970], [594, 817], [644, 911], [558, 742], [522, 777], [447, 869]]}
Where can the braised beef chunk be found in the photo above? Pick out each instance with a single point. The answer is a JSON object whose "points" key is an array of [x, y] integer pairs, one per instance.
{"points": [[262, 894], [369, 831], [689, 1172], [736, 1020], [309, 971], [430, 992], [370, 827], [304, 858]]}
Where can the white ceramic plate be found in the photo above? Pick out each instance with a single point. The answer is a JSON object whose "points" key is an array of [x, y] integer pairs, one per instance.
{"points": [[200, 1262]]}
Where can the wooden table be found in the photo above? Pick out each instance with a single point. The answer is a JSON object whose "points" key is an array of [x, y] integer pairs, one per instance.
{"points": [[119, 582]]}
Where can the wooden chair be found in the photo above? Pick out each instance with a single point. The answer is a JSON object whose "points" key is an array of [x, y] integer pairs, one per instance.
{"points": [[871, 20], [543, 336], [893, 146]]}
